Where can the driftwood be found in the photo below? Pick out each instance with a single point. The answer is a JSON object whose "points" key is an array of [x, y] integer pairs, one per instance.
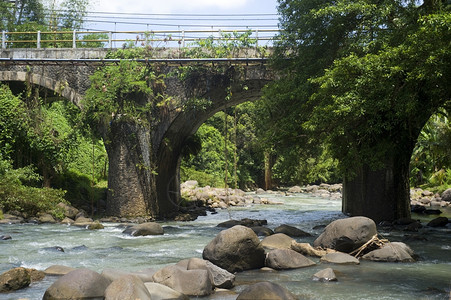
{"points": [[307, 249], [374, 243]]}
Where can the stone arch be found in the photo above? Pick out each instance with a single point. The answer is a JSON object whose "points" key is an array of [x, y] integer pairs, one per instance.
{"points": [[59, 87], [186, 123]]}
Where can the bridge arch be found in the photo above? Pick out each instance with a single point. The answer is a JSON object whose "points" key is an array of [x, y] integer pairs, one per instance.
{"points": [[59, 87]]}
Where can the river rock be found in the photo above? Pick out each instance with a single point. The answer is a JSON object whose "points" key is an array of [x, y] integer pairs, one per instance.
{"points": [[262, 231], [46, 218], [36, 275], [346, 235], [266, 290], [446, 195], [149, 228], [128, 287], [340, 258], [78, 284], [277, 241], [189, 282], [438, 222], [291, 231], [295, 189], [325, 275], [244, 222], [161, 292], [67, 221], [391, 252], [280, 259], [235, 249], [82, 221], [220, 277], [58, 270], [5, 237], [114, 274], [68, 210], [14, 279], [95, 226]]}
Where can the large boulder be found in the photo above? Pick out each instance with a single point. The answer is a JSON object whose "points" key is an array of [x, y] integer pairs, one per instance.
{"points": [[346, 235], [78, 284], [291, 231], [14, 279], [189, 282], [340, 259], [277, 241], [128, 287], [266, 291], [446, 195], [391, 252], [149, 228], [235, 249], [281, 259], [161, 292], [220, 278]]}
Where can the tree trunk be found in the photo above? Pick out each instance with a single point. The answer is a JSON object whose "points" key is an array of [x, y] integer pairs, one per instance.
{"points": [[382, 195], [268, 171]]}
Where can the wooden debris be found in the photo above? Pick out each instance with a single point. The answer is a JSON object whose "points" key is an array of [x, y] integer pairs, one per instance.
{"points": [[374, 243], [307, 249]]}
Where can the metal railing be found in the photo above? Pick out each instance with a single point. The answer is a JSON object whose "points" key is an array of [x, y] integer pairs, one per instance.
{"points": [[110, 39]]}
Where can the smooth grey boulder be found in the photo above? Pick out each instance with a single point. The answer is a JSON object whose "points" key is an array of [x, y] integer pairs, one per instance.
{"points": [[291, 231], [235, 249], [346, 235], [46, 218], [446, 195], [340, 259], [392, 252], [220, 278], [325, 275], [78, 284], [277, 241], [161, 292], [189, 282], [266, 291], [14, 279], [68, 210], [280, 259], [262, 231], [128, 287], [149, 228]]}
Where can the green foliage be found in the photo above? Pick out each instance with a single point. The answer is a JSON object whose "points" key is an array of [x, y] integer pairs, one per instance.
{"points": [[113, 87], [364, 76], [15, 196]]}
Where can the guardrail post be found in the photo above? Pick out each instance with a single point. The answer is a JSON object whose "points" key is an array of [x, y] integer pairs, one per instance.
{"points": [[183, 38], [3, 39], [38, 40], [256, 38], [74, 39], [110, 40]]}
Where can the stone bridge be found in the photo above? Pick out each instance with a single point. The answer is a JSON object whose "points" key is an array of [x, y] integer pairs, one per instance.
{"points": [[144, 161]]}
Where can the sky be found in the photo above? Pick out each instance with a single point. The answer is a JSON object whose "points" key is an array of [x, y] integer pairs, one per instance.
{"points": [[194, 8]]}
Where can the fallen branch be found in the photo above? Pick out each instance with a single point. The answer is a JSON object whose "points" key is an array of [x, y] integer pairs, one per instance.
{"points": [[374, 242]]}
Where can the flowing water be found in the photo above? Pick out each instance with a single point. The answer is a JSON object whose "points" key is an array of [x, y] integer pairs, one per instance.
{"points": [[33, 246]]}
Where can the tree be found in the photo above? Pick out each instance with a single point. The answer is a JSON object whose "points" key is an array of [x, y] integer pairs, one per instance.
{"points": [[365, 76]]}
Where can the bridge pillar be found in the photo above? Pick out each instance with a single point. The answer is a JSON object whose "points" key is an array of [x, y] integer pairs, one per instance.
{"points": [[131, 175]]}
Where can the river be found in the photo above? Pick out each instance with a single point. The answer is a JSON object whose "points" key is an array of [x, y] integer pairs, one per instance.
{"points": [[33, 246]]}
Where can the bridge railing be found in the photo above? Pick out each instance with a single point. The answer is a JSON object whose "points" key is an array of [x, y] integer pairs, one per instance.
{"points": [[117, 39]]}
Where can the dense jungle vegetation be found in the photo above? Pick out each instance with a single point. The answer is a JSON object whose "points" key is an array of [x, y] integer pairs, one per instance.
{"points": [[359, 90]]}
